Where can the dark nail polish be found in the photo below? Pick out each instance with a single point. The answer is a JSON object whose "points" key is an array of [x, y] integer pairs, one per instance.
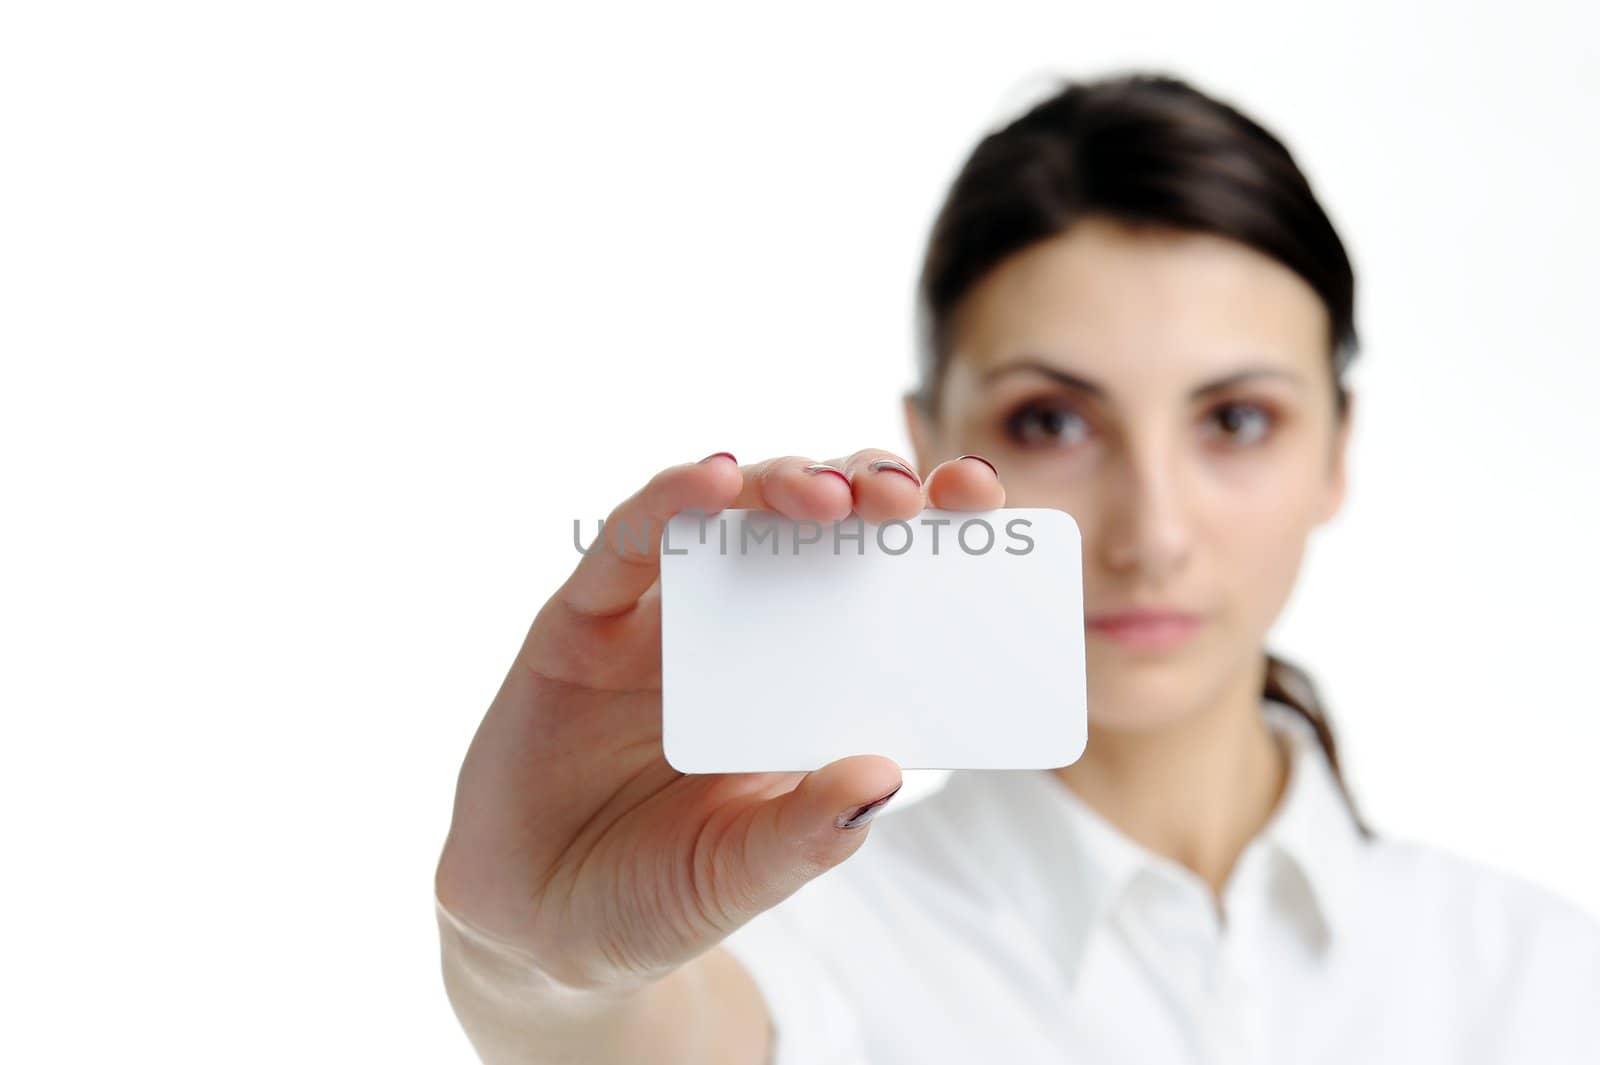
{"points": [[983, 460], [897, 467], [862, 814], [823, 467], [721, 454]]}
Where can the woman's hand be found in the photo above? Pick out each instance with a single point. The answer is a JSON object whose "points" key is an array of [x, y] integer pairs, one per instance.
{"points": [[573, 843]]}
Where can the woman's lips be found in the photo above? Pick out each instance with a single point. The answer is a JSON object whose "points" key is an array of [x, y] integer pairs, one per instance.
{"points": [[1157, 629]]}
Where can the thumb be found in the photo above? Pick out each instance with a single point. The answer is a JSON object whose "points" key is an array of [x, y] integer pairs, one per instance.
{"points": [[799, 835]]}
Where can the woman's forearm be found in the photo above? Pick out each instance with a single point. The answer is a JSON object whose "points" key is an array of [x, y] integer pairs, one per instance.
{"points": [[707, 1012]]}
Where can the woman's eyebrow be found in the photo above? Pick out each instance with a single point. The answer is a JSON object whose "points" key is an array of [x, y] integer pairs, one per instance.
{"points": [[1082, 384]]}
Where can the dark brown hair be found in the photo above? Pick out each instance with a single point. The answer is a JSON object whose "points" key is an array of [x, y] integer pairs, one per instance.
{"points": [[1144, 149]]}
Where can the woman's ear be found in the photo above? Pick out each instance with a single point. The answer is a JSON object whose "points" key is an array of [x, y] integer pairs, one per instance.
{"points": [[1339, 461]]}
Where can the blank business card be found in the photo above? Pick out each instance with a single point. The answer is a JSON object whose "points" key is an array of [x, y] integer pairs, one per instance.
{"points": [[953, 640]]}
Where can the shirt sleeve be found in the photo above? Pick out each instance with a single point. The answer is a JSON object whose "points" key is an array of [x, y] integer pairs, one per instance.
{"points": [[813, 1020], [1549, 994]]}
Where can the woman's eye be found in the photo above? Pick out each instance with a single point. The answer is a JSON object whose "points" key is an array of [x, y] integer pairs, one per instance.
{"points": [[1044, 425], [1242, 423]]}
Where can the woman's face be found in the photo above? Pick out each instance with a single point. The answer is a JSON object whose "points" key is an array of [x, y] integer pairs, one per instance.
{"points": [[1171, 391]]}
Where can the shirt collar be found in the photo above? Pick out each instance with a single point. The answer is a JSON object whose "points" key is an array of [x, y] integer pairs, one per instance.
{"points": [[1313, 829], [1086, 858]]}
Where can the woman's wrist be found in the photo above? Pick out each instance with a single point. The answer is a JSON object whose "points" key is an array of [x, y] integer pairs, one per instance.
{"points": [[706, 1011]]}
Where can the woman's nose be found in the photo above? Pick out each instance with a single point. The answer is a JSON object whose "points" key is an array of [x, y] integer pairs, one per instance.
{"points": [[1145, 524]]}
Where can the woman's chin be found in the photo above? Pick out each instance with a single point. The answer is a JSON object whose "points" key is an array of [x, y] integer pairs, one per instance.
{"points": [[1153, 699], [1143, 689]]}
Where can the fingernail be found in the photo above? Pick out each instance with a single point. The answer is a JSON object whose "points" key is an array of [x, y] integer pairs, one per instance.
{"points": [[862, 814], [721, 454], [823, 467], [898, 467], [983, 460]]}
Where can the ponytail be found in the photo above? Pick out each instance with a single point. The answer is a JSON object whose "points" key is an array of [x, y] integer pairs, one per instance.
{"points": [[1290, 685]]}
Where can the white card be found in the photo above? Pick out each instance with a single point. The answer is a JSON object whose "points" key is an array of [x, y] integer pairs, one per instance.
{"points": [[953, 640]]}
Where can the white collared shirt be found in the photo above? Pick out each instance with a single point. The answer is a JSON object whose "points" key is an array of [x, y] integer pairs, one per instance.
{"points": [[1002, 921]]}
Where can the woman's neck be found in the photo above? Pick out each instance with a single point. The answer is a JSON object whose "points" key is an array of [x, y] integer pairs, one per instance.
{"points": [[1196, 791]]}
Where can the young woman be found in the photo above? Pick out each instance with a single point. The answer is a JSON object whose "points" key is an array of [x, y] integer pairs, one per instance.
{"points": [[1134, 310]]}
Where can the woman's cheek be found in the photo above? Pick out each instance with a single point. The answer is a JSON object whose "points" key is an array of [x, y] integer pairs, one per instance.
{"points": [[1266, 536]]}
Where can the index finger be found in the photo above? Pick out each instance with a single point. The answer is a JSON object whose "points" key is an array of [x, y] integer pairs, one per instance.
{"points": [[624, 559]]}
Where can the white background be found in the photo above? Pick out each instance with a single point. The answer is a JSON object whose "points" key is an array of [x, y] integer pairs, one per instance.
{"points": [[321, 321]]}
